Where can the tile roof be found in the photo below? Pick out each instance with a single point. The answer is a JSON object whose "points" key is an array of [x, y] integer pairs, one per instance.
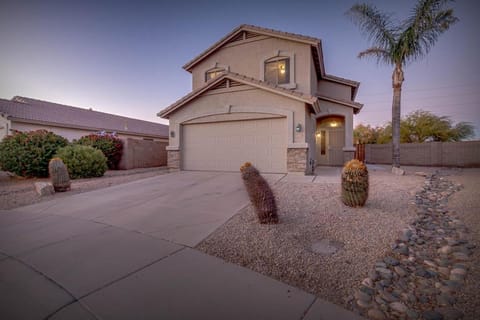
{"points": [[33, 110], [242, 79]]}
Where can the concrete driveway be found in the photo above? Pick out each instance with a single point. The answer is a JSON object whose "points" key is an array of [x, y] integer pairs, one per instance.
{"points": [[125, 252]]}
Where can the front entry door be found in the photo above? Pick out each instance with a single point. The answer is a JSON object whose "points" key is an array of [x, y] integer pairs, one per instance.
{"points": [[329, 146]]}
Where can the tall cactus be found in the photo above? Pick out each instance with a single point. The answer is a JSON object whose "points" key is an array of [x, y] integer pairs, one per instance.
{"points": [[59, 175], [260, 194], [354, 183]]}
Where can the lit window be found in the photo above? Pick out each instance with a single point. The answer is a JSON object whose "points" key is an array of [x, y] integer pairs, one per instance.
{"points": [[277, 70], [213, 73]]}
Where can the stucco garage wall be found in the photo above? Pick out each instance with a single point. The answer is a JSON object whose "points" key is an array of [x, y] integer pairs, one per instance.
{"points": [[243, 99], [240, 103], [67, 133]]}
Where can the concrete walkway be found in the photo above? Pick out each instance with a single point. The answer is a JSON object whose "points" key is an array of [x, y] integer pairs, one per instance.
{"points": [[126, 252]]}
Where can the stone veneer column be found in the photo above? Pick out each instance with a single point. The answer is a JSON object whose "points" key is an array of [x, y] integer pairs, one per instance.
{"points": [[297, 159], [173, 160]]}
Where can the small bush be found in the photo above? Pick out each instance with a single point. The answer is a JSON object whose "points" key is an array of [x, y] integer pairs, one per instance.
{"points": [[109, 144], [27, 153], [83, 161]]}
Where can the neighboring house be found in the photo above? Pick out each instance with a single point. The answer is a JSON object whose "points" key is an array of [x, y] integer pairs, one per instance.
{"points": [[26, 114], [144, 141], [262, 96]]}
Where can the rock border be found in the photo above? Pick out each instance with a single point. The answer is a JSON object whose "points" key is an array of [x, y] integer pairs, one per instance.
{"points": [[426, 266]]}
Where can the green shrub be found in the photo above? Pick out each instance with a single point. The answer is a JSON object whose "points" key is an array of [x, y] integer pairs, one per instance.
{"points": [[110, 145], [27, 153], [83, 161]]}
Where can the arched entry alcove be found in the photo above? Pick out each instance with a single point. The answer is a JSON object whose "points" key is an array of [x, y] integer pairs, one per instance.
{"points": [[330, 140]]}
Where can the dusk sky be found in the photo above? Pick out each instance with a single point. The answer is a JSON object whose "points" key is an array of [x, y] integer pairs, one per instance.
{"points": [[126, 57]]}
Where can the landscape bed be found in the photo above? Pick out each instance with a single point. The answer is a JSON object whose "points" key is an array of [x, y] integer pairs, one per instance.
{"points": [[311, 214]]}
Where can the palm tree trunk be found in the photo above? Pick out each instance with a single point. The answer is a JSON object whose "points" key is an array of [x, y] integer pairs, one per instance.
{"points": [[397, 80]]}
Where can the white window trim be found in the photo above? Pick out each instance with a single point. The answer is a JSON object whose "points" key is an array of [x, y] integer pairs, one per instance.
{"points": [[215, 66], [280, 54]]}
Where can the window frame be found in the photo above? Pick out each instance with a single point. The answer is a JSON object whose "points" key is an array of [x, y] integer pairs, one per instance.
{"points": [[277, 60], [276, 56], [216, 71]]}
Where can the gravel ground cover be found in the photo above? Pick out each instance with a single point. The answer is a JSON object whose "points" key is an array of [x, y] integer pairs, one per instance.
{"points": [[17, 192], [312, 216], [466, 205]]}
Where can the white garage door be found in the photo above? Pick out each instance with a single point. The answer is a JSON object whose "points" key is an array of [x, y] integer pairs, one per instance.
{"points": [[225, 146]]}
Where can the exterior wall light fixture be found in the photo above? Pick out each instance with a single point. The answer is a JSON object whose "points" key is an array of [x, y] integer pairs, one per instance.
{"points": [[172, 134], [298, 128]]}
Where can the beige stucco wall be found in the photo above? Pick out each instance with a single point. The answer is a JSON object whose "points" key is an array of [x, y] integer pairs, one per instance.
{"points": [[334, 90], [241, 100], [246, 57], [4, 127], [67, 133]]}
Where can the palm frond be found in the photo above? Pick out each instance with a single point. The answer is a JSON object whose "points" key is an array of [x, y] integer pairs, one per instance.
{"points": [[420, 32], [380, 54], [377, 26]]}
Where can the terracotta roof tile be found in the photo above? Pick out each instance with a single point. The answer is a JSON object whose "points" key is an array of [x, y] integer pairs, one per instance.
{"points": [[29, 109]]}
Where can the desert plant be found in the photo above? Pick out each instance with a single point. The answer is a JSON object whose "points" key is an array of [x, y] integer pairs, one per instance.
{"points": [[27, 153], [59, 175], [260, 194], [109, 144], [354, 183], [399, 43], [83, 161]]}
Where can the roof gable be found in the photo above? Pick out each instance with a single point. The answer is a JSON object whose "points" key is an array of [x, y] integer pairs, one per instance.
{"points": [[32, 110], [230, 79], [246, 31]]}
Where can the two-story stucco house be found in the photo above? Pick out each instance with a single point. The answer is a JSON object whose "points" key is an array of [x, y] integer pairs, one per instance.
{"points": [[262, 96]]}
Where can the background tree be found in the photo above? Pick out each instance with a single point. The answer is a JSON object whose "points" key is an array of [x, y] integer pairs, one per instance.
{"points": [[418, 126], [365, 134], [399, 44]]}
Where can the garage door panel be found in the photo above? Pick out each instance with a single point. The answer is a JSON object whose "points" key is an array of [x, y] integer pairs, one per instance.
{"points": [[225, 146]]}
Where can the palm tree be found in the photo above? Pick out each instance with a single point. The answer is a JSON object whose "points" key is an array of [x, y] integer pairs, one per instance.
{"points": [[398, 44]]}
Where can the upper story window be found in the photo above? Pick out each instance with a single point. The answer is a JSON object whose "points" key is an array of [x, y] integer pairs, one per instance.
{"points": [[213, 73], [277, 70]]}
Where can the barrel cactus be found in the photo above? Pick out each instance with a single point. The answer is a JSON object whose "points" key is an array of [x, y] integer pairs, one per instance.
{"points": [[354, 183], [59, 175], [260, 194]]}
